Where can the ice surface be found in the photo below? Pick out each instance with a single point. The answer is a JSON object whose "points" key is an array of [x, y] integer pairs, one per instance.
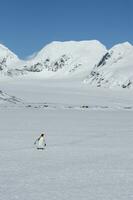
{"points": [[89, 153]]}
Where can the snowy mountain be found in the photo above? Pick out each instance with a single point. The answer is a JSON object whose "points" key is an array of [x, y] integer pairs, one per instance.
{"points": [[85, 60], [7, 59], [64, 59], [114, 69]]}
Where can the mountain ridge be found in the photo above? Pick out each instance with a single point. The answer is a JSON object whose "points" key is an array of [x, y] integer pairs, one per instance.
{"points": [[88, 60]]}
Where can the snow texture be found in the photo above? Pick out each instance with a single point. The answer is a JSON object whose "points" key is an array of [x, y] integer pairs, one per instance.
{"points": [[89, 153]]}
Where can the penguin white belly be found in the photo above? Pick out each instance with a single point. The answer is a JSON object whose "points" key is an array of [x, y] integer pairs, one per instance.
{"points": [[41, 143]]}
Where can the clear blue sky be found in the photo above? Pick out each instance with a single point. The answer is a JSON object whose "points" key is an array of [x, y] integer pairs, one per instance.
{"points": [[27, 25]]}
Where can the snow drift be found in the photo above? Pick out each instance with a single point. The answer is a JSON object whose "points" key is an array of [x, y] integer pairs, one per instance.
{"points": [[8, 99]]}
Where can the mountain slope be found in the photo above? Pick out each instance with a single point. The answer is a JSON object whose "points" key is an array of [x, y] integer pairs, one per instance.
{"points": [[114, 69], [7, 58]]}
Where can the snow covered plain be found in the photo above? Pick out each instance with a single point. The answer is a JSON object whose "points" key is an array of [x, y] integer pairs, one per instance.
{"points": [[89, 134]]}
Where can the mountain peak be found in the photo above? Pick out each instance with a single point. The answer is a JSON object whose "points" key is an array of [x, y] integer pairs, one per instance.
{"points": [[124, 45], [3, 47], [56, 48], [7, 57], [73, 42]]}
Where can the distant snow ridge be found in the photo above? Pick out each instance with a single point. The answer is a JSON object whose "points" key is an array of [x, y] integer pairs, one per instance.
{"points": [[114, 69], [85, 60]]}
